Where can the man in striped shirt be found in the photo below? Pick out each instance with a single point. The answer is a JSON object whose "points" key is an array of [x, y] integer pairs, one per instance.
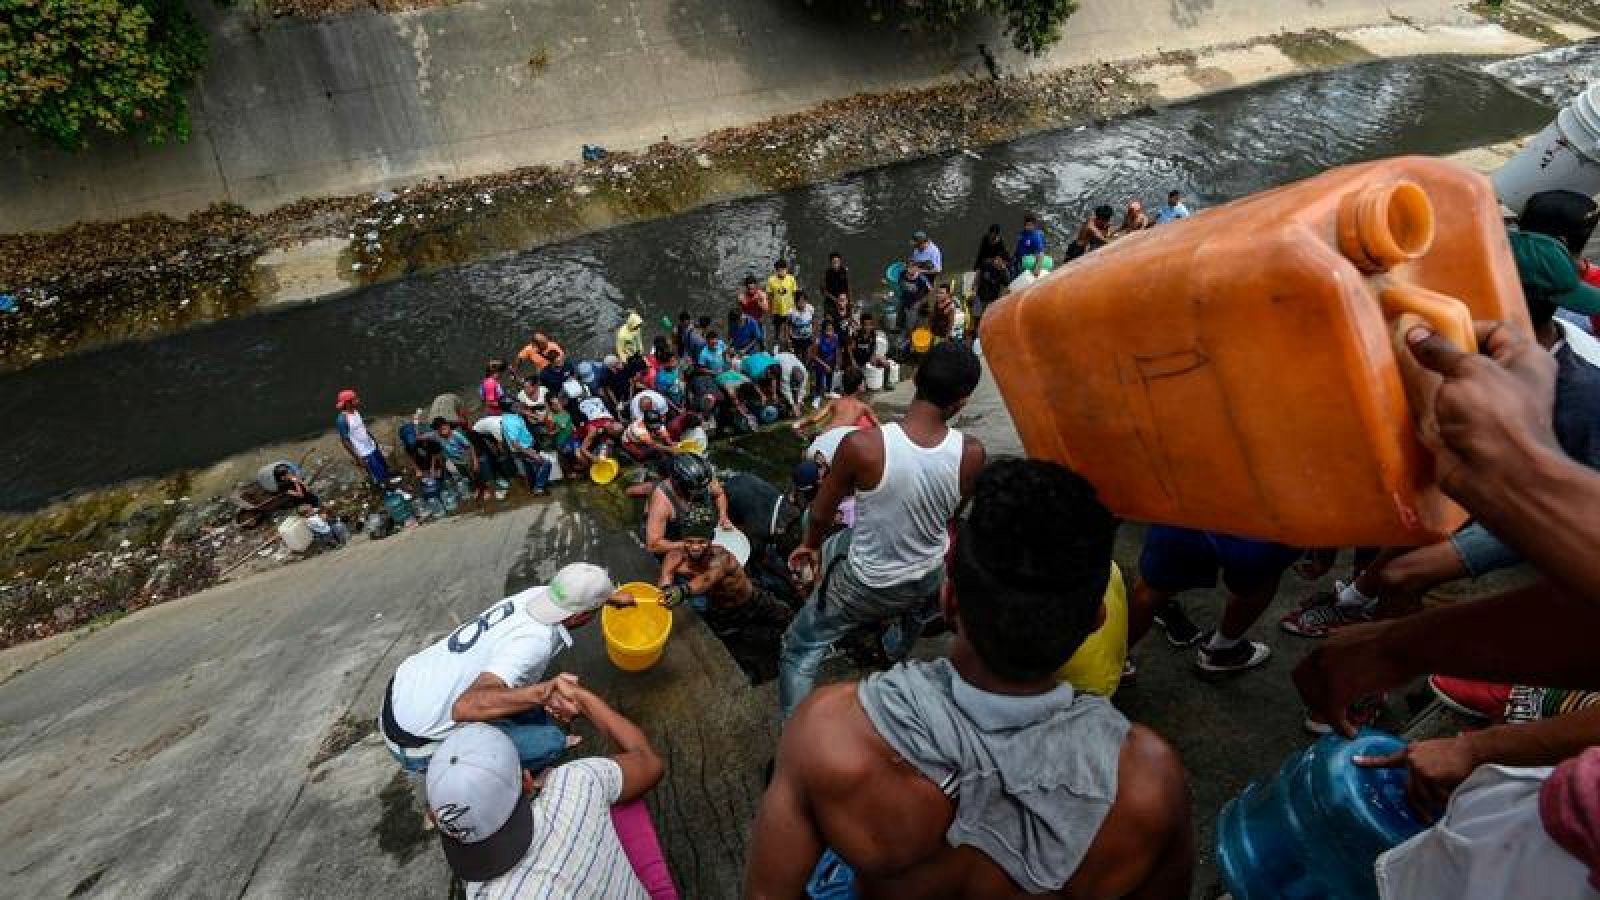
{"points": [[507, 837]]}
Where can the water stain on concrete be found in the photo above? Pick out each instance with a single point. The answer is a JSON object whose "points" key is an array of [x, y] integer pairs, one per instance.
{"points": [[400, 830], [161, 743], [346, 732]]}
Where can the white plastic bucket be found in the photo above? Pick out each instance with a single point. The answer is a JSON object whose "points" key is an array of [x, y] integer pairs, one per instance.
{"points": [[296, 534], [1564, 156], [873, 377]]}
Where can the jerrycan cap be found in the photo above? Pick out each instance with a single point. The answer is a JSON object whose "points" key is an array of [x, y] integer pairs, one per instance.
{"points": [[1384, 225]]}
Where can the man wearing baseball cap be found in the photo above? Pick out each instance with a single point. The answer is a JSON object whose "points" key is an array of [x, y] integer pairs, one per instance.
{"points": [[585, 833], [1569, 217], [488, 670], [357, 440]]}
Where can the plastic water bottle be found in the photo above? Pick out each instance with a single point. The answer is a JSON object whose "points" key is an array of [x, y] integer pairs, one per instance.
{"points": [[431, 508], [399, 507], [1315, 830]]}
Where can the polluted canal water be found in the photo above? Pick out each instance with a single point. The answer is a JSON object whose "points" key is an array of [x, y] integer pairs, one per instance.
{"points": [[196, 397]]}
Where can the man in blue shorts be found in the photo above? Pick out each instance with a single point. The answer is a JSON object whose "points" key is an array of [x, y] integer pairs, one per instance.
{"points": [[1175, 560]]}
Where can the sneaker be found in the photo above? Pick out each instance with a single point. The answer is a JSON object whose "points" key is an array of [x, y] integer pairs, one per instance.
{"points": [[1361, 713], [1320, 621], [1181, 631], [1241, 656], [1482, 700]]}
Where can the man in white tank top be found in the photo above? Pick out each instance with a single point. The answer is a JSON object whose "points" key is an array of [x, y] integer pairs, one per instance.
{"points": [[909, 479]]}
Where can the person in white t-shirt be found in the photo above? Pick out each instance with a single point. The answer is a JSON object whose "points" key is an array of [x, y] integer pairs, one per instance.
{"points": [[357, 440], [489, 670], [581, 831]]}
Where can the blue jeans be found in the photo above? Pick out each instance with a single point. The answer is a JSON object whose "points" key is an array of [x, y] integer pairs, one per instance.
{"points": [[1481, 552], [840, 605], [539, 744], [377, 468], [537, 472]]}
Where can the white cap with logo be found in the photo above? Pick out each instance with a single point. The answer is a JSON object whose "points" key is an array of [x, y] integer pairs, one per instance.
{"points": [[475, 795], [578, 588]]}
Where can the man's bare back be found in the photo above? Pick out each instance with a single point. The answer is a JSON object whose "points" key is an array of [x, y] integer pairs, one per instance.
{"points": [[838, 784]]}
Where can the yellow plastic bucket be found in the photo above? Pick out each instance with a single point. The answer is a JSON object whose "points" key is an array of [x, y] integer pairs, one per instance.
{"points": [[603, 470], [637, 635], [921, 339]]}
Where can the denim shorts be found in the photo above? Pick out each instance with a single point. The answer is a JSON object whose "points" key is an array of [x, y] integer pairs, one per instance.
{"points": [[1481, 552]]}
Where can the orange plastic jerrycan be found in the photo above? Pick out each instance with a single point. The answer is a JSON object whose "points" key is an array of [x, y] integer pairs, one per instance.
{"points": [[1237, 371]]}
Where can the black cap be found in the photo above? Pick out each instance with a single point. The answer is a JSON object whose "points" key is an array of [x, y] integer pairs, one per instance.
{"points": [[1567, 216]]}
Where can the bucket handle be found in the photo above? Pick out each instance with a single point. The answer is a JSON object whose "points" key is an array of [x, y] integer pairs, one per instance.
{"points": [[1442, 312]]}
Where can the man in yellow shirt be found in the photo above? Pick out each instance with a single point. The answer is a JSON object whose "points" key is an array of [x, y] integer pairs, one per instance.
{"points": [[780, 293]]}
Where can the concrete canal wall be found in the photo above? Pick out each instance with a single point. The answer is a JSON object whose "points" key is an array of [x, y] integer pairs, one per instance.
{"points": [[291, 108]]}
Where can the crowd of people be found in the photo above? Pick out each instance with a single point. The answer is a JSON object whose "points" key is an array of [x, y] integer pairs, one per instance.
{"points": [[1001, 767]]}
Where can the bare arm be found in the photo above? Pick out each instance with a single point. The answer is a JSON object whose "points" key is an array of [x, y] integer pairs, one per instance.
{"points": [[641, 767], [1435, 768], [1485, 639], [719, 497], [655, 526], [489, 699], [817, 416], [669, 567], [973, 459]]}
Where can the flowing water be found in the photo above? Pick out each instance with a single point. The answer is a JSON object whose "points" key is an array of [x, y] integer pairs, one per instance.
{"points": [[196, 397]]}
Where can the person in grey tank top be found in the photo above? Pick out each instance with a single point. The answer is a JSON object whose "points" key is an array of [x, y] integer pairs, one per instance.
{"points": [[981, 775], [908, 479]]}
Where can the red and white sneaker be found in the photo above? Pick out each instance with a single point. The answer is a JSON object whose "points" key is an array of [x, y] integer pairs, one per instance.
{"points": [[1320, 621], [1482, 700]]}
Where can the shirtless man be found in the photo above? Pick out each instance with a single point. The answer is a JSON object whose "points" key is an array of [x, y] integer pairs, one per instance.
{"points": [[691, 483], [700, 568], [845, 409], [898, 784]]}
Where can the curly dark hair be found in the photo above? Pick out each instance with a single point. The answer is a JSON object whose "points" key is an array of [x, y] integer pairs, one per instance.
{"points": [[1031, 565]]}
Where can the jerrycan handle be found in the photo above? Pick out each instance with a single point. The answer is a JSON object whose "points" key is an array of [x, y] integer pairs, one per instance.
{"points": [[1443, 313]]}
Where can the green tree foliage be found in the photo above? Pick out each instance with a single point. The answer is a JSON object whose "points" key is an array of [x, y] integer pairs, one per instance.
{"points": [[1032, 25], [72, 67]]}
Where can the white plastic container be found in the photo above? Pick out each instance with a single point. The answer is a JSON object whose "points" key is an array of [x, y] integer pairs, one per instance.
{"points": [[1564, 156], [555, 464], [892, 377], [872, 377], [295, 533]]}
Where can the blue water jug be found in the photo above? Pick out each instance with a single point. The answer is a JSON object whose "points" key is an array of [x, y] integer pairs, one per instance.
{"points": [[399, 507], [1315, 830]]}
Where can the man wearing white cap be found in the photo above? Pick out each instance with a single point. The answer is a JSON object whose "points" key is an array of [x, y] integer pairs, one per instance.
{"points": [[565, 842], [488, 670]]}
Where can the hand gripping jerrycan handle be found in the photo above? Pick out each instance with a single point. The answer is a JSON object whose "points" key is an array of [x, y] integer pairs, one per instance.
{"points": [[1388, 224]]}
